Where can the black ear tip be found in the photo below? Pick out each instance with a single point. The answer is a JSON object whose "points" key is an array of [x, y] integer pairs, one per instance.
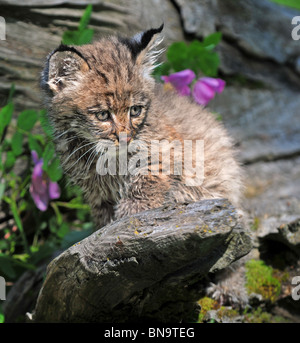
{"points": [[158, 30]]}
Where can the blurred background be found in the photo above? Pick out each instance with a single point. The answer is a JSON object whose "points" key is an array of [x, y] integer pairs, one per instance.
{"points": [[260, 106]]}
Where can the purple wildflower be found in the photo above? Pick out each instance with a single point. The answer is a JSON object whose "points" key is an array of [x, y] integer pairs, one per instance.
{"points": [[205, 89], [42, 189], [180, 81]]}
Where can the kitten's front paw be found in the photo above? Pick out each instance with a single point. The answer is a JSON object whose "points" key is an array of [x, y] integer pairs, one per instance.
{"points": [[224, 295]]}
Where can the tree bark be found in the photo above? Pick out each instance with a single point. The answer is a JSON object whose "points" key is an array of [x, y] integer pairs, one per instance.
{"points": [[150, 266]]}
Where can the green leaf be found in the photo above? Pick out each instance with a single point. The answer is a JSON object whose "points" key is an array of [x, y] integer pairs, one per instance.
{"points": [[48, 155], [12, 267], [17, 143], [177, 55], [63, 230], [45, 123], [209, 63], [54, 170], [195, 52], [70, 37], [34, 145], [14, 210], [10, 160], [289, 3], [85, 36], [2, 189], [78, 37], [27, 119], [212, 40], [85, 19], [6, 266], [5, 116], [59, 217]]}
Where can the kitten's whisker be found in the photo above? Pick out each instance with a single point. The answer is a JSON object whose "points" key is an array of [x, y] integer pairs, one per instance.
{"points": [[79, 159], [91, 154], [95, 155], [82, 146], [56, 137]]}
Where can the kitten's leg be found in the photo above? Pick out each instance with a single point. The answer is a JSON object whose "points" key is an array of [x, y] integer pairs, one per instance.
{"points": [[128, 207], [228, 287], [102, 214], [145, 193]]}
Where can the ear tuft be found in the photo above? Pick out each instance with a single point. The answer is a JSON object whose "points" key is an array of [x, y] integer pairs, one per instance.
{"points": [[143, 49], [141, 41], [62, 67]]}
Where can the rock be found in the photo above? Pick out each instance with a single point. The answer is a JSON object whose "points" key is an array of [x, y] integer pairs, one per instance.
{"points": [[273, 194], [23, 294], [35, 27], [287, 233], [258, 27], [147, 267], [265, 123]]}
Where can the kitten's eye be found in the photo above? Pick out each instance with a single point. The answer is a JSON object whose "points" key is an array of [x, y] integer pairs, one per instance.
{"points": [[103, 115], [135, 111]]}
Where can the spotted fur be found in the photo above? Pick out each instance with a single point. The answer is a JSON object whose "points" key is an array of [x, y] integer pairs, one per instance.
{"points": [[114, 74]]}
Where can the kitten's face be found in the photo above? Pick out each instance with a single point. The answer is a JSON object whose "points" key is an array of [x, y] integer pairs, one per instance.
{"points": [[102, 91], [113, 97]]}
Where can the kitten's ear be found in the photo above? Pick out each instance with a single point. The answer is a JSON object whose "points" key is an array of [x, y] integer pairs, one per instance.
{"points": [[62, 68], [143, 45]]}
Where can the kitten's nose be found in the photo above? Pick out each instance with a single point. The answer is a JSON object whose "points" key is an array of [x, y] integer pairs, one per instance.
{"points": [[124, 137]]}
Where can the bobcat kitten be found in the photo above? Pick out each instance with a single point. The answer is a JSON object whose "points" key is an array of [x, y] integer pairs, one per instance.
{"points": [[104, 93]]}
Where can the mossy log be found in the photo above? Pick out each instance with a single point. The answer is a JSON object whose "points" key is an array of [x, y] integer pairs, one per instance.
{"points": [[150, 266]]}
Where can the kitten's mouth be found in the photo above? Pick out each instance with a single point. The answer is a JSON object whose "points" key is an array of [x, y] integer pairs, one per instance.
{"points": [[124, 138]]}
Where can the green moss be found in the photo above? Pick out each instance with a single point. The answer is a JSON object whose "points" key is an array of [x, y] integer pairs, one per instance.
{"points": [[289, 3], [226, 312], [255, 224], [206, 304], [261, 280], [260, 316]]}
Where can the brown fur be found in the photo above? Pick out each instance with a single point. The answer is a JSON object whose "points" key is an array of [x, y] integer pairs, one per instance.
{"points": [[115, 74], [107, 76]]}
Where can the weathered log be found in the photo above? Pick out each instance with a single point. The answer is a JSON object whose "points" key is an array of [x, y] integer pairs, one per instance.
{"points": [[150, 266]]}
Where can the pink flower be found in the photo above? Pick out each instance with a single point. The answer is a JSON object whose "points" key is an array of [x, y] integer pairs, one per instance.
{"points": [[205, 89], [180, 81], [42, 189]]}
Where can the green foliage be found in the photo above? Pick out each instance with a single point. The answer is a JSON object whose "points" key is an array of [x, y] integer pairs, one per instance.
{"points": [[82, 35], [289, 3], [261, 280], [207, 304], [1, 315], [258, 315], [5, 116], [35, 235], [27, 119], [197, 56]]}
